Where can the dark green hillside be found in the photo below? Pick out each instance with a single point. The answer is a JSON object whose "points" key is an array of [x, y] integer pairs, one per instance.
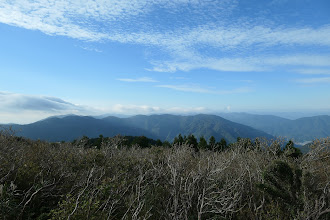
{"points": [[306, 129], [163, 127], [72, 127], [267, 123], [169, 126], [301, 130]]}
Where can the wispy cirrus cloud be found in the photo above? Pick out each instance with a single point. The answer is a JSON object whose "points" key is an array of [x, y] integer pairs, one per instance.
{"points": [[313, 60], [197, 89], [245, 64], [188, 46], [142, 79], [84, 19], [314, 80], [205, 37], [186, 88], [313, 71], [93, 49]]}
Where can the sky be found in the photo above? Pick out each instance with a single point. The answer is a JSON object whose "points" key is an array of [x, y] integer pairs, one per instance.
{"points": [[129, 57]]}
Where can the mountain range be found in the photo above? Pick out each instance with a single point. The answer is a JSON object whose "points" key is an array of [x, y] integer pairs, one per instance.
{"points": [[300, 130], [166, 127], [163, 127]]}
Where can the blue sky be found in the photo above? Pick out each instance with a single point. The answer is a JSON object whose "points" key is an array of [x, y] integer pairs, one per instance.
{"points": [[96, 57]]}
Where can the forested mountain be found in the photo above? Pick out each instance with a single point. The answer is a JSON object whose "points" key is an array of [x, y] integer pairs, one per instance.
{"points": [[169, 126], [164, 127], [73, 127], [301, 130]]}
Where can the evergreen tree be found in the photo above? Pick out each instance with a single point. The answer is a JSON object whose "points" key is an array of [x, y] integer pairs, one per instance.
{"points": [[178, 140], [98, 141], [212, 143], [212, 140], [167, 144], [159, 143], [222, 144], [202, 143], [283, 183], [192, 141], [291, 151], [141, 141]]}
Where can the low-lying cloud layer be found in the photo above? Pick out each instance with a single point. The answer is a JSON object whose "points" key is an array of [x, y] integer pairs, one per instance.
{"points": [[22, 109], [21, 102]]}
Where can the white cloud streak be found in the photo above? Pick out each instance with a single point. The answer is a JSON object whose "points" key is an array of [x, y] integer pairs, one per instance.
{"points": [[23, 109], [75, 18], [198, 89], [313, 71], [125, 21], [187, 47], [38, 103], [142, 79], [314, 80], [245, 64], [145, 109], [78, 19]]}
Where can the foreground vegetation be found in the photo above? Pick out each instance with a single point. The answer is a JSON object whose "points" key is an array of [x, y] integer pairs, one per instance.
{"points": [[247, 180]]}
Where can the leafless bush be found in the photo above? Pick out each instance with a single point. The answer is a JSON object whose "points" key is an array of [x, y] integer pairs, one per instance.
{"points": [[64, 181]]}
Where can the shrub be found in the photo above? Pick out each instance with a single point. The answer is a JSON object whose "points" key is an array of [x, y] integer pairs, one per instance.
{"points": [[40, 180]]}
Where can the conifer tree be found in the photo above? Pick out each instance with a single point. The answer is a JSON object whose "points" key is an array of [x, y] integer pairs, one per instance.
{"points": [[202, 143]]}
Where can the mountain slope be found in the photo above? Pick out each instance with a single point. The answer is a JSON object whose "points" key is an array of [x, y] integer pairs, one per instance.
{"points": [[164, 127], [72, 127], [306, 129], [301, 130], [169, 126]]}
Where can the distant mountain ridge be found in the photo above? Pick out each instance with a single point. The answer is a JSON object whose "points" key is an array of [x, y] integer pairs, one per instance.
{"points": [[169, 126], [164, 127], [72, 127], [301, 130]]}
